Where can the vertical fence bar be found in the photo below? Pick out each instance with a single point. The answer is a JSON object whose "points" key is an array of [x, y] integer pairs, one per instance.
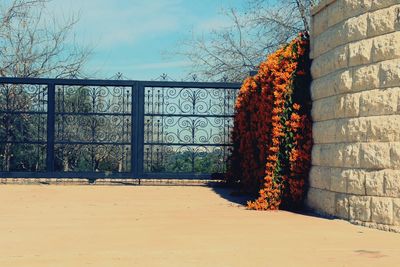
{"points": [[51, 99], [140, 130], [134, 126]]}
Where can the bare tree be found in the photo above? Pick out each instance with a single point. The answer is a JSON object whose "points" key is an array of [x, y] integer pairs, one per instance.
{"points": [[230, 53], [33, 43], [36, 44]]}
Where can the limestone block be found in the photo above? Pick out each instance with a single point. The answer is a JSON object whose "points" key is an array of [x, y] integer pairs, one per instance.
{"points": [[313, 197], [330, 39], [386, 47], [375, 155], [320, 177], [342, 81], [341, 130], [342, 206], [336, 13], [383, 21], [374, 183], [380, 4], [316, 155], [319, 22], [383, 128], [341, 105], [355, 181], [392, 183], [389, 73], [338, 180], [351, 157], [340, 57], [339, 155], [329, 85], [329, 62], [321, 5], [398, 100], [395, 155], [352, 130], [360, 52], [321, 200], [327, 204], [315, 177], [321, 45], [311, 46], [322, 87], [347, 105], [355, 8], [366, 77], [324, 109], [396, 211], [324, 131], [379, 102], [382, 210], [331, 155], [360, 208], [356, 27], [322, 65]]}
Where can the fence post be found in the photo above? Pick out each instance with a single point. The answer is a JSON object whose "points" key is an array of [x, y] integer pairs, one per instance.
{"points": [[51, 93], [140, 130], [137, 130], [134, 116]]}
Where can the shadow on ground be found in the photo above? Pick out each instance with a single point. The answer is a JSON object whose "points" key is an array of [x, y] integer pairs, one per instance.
{"points": [[231, 195], [234, 196]]}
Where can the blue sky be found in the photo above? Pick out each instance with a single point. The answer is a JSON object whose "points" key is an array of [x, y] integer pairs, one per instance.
{"points": [[132, 36]]}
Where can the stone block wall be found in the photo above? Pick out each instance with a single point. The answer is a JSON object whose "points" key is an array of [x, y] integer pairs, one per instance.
{"points": [[355, 46]]}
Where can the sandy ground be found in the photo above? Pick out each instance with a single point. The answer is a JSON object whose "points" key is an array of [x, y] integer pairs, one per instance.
{"points": [[172, 226]]}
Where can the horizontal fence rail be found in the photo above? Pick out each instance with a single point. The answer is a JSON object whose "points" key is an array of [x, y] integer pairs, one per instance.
{"points": [[71, 128]]}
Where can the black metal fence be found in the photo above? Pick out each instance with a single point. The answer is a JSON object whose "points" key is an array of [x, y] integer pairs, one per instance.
{"points": [[114, 128]]}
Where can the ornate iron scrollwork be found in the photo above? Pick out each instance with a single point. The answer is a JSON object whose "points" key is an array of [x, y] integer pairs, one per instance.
{"points": [[187, 125], [23, 128], [93, 128]]}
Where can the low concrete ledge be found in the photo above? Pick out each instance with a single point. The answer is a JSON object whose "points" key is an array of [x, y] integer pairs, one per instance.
{"points": [[83, 181]]}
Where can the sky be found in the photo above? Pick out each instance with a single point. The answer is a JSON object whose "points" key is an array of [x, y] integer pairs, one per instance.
{"points": [[137, 38]]}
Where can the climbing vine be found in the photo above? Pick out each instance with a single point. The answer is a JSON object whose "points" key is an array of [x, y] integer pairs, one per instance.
{"points": [[272, 137]]}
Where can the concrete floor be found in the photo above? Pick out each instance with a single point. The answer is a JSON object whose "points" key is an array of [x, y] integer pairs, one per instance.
{"points": [[72, 225]]}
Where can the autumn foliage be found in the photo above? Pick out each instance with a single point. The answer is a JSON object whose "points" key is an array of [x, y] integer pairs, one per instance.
{"points": [[272, 130]]}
